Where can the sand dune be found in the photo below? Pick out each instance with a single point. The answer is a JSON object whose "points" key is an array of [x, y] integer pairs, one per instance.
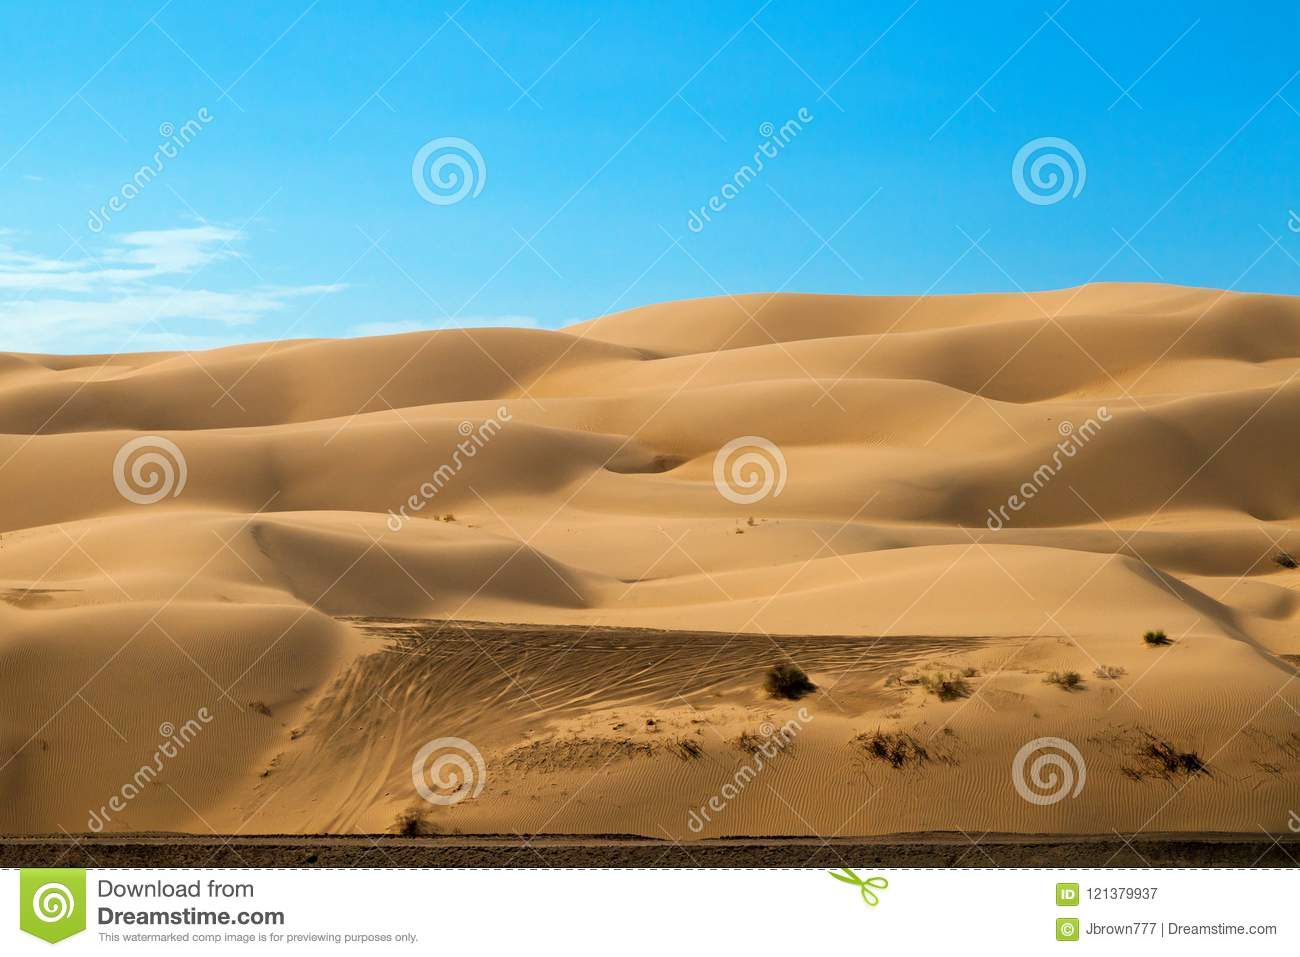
{"points": [[989, 488]]}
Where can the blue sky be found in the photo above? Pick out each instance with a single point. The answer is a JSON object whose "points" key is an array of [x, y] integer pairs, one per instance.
{"points": [[292, 209]]}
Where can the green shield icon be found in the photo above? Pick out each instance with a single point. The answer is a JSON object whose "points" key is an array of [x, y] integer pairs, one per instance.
{"points": [[52, 902]]}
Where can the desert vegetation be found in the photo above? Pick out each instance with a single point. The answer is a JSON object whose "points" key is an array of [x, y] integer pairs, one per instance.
{"points": [[946, 685], [895, 749], [1066, 680], [787, 681]]}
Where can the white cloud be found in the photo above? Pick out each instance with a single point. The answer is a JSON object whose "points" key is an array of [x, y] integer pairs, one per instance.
{"points": [[164, 251], [135, 258], [397, 326], [132, 294]]}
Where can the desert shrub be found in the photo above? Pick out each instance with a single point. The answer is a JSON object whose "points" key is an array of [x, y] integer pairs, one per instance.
{"points": [[1170, 760], [1156, 638], [687, 749], [1285, 560], [1164, 760], [1109, 672], [787, 681], [414, 822], [946, 686], [260, 707], [896, 750], [1069, 680]]}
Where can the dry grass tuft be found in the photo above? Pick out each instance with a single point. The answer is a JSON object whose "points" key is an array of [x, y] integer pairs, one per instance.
{"points": [[1066, 680], [946, 686]]}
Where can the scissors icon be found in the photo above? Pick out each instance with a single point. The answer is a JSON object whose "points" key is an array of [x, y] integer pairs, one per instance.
{"points": [[865, 886]]}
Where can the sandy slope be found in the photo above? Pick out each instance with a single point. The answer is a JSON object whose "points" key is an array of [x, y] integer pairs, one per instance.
{"points": [[905, 427]]}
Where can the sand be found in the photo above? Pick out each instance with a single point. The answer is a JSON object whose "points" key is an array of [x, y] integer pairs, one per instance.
{"points": [[982, 489], [497, 851]]}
